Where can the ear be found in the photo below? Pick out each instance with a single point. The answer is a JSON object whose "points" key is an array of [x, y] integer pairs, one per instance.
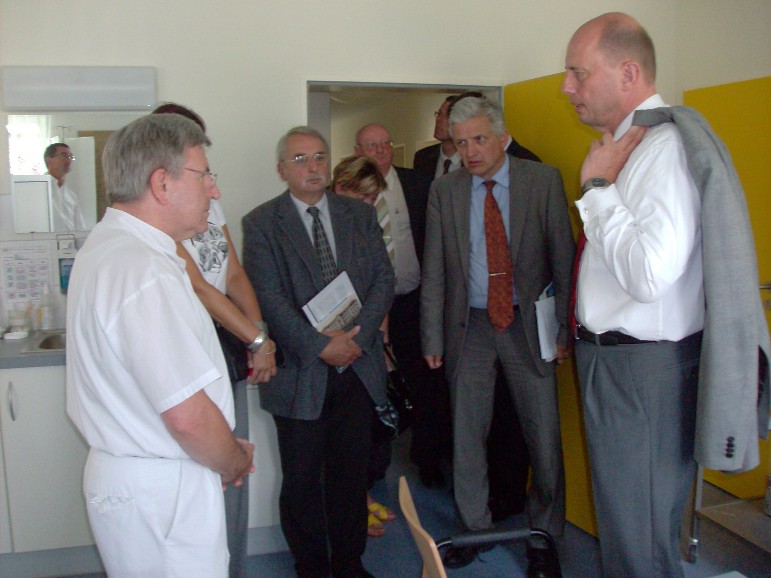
{"points": [[280, 167], [504, 138], [630, 74], [158, 189]]}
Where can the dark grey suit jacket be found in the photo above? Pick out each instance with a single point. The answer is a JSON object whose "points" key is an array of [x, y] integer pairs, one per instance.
{"points": [[283, 267], [542, 248]]}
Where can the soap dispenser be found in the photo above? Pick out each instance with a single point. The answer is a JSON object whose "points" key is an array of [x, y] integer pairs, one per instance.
{"points": [[46, 309]]}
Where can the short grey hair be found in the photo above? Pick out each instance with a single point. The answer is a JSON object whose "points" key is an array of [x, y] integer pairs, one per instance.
{"points": [[304, 130], [133, 153], [473, 107]]}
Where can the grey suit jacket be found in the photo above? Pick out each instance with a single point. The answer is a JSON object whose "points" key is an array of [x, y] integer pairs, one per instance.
{"points": [[732, 411], [542, 249], [283, 267]]}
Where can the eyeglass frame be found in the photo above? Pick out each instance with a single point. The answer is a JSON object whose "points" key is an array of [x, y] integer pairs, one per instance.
{"points": [[303, 160], [65, 155], [212, 176], [373, 146]]}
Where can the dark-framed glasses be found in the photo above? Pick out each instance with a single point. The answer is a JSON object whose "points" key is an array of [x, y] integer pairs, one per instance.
{"points": [[303, 160], [204, 174]]}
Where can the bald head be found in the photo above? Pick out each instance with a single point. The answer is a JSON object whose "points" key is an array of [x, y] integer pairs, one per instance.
{"points": [[620, 37]]}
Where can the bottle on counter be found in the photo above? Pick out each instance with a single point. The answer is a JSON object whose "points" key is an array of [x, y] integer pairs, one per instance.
{"points": [[46, 309]]}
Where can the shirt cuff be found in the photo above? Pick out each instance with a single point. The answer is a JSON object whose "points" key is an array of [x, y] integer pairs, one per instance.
{"points": [[596, 201]]}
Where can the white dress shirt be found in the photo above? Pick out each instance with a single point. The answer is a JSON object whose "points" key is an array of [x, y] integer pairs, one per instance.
{"points": [[455, 163], [641, 270], [407, 266]]}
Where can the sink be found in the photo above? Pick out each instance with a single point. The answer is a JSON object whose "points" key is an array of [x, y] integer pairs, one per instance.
{"points": [[46, 343]]}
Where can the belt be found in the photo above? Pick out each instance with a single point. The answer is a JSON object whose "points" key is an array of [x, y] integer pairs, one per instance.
{"points": [[607, 338]]}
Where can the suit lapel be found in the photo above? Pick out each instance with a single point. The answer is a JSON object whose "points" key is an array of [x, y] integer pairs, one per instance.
{"points": [[296, 236], [519, 187], [342, 224], [460, 198]]}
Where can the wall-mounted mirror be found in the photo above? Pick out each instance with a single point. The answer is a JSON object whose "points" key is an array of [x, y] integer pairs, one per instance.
{"points": [[85, 133]]}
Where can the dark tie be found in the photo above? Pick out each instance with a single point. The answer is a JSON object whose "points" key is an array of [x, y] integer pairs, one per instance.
{"points": [[500, 288], [574, 284], [320, 241], [447, 163]]}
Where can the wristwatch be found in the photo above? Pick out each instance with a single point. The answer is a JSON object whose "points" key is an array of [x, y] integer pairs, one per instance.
{"points": [[258, 342], [594, 183]]}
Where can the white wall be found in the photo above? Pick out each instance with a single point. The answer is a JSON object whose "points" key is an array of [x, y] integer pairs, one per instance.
{"points": [[243, 64]]}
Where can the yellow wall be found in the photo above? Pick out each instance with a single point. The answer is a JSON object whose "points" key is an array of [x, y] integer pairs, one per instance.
{"points": [[540, 117], [740, 113]]}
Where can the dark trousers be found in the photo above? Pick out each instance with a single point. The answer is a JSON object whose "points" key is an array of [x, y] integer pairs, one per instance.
{"points": [[323, 501], [508, 461], [431, 423]]}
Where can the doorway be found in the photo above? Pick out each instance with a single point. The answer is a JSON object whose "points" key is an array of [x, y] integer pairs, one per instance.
{"points": [[339, 109]]}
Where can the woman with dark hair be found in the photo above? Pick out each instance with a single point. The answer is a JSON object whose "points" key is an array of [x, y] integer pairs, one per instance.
{"points": [[221, 284]]}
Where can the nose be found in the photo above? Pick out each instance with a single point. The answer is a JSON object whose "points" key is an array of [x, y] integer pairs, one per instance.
{"points": [[567, 84], [214, 192]]}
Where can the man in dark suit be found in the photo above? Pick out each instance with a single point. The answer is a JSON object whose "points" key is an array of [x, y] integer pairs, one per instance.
{"points": [[498, 230], [323, 393], [406, 198], [442, 158]]}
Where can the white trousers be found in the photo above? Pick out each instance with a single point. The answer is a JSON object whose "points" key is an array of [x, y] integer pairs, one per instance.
{"points": [[156, 517]]}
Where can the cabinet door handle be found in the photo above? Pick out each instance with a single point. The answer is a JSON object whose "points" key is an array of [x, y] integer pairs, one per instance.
{"points": [[10, 401]]}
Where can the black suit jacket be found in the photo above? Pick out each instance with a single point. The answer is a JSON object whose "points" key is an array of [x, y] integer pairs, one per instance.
{"points": [[517, 150], [416, 185]]}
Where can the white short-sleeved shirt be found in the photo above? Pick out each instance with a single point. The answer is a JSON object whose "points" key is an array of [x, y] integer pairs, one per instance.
{"points": [[139, 340], [210, 249]]}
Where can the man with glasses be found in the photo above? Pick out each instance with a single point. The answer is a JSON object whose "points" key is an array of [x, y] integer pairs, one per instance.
{"points": [[441, 158], [404, 211], [67, 213], [326, 384], [147, 383]]}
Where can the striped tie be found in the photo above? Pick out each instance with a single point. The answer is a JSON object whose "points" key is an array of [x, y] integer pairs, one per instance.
{"points": [[381, 206], [320, 241]]}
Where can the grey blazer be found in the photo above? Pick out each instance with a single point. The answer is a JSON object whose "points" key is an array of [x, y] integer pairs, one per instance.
{"points": [[542, 248], [733, 402], [282, 265]]}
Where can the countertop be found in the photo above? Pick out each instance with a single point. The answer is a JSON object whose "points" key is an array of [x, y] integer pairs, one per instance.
{"points": [[12, 357]]}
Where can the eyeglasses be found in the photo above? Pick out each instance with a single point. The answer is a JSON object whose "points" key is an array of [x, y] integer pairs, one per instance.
{"points": [[373, 146], [66, 156], [303, 160], [204, 174]]}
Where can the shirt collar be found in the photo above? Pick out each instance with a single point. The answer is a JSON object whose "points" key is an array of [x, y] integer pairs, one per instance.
{"points": [[654, 101]]}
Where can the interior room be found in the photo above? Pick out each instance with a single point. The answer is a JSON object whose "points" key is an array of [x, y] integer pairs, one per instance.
{"points": [[252, 70]]}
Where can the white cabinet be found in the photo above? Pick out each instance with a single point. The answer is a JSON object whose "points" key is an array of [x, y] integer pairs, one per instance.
{"points": [[43, 458]]}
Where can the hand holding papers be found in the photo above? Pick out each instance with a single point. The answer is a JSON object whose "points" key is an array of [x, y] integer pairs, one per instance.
{"points": [[335, 307], [548, 326]]}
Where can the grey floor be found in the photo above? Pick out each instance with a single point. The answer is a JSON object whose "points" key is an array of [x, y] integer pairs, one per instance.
{"points": [[721, 553]]}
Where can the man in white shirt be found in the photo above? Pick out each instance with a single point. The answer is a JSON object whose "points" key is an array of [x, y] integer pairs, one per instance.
{"points": [[147, 384], [640, 301], [67, 213]]}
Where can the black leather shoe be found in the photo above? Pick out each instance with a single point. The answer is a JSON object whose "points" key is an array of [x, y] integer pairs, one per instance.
{"points": [[431, 477], [458, 557], [543, 563]]}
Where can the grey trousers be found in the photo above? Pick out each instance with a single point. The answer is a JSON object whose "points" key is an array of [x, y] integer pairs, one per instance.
{"points": [[237, 498], [639, 412], [535, 401]]}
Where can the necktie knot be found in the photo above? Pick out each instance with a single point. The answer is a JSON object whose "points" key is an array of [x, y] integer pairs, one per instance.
{"points": [[314, 212], [489, 185]]}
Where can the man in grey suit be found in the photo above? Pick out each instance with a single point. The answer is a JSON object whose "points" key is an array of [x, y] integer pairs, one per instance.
{"points": [[640, 301], [461, 330], [323, 393]]}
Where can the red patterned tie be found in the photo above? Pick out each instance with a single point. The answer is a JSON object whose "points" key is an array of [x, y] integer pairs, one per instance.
{"points": [[500, 288], [574, 284]]}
